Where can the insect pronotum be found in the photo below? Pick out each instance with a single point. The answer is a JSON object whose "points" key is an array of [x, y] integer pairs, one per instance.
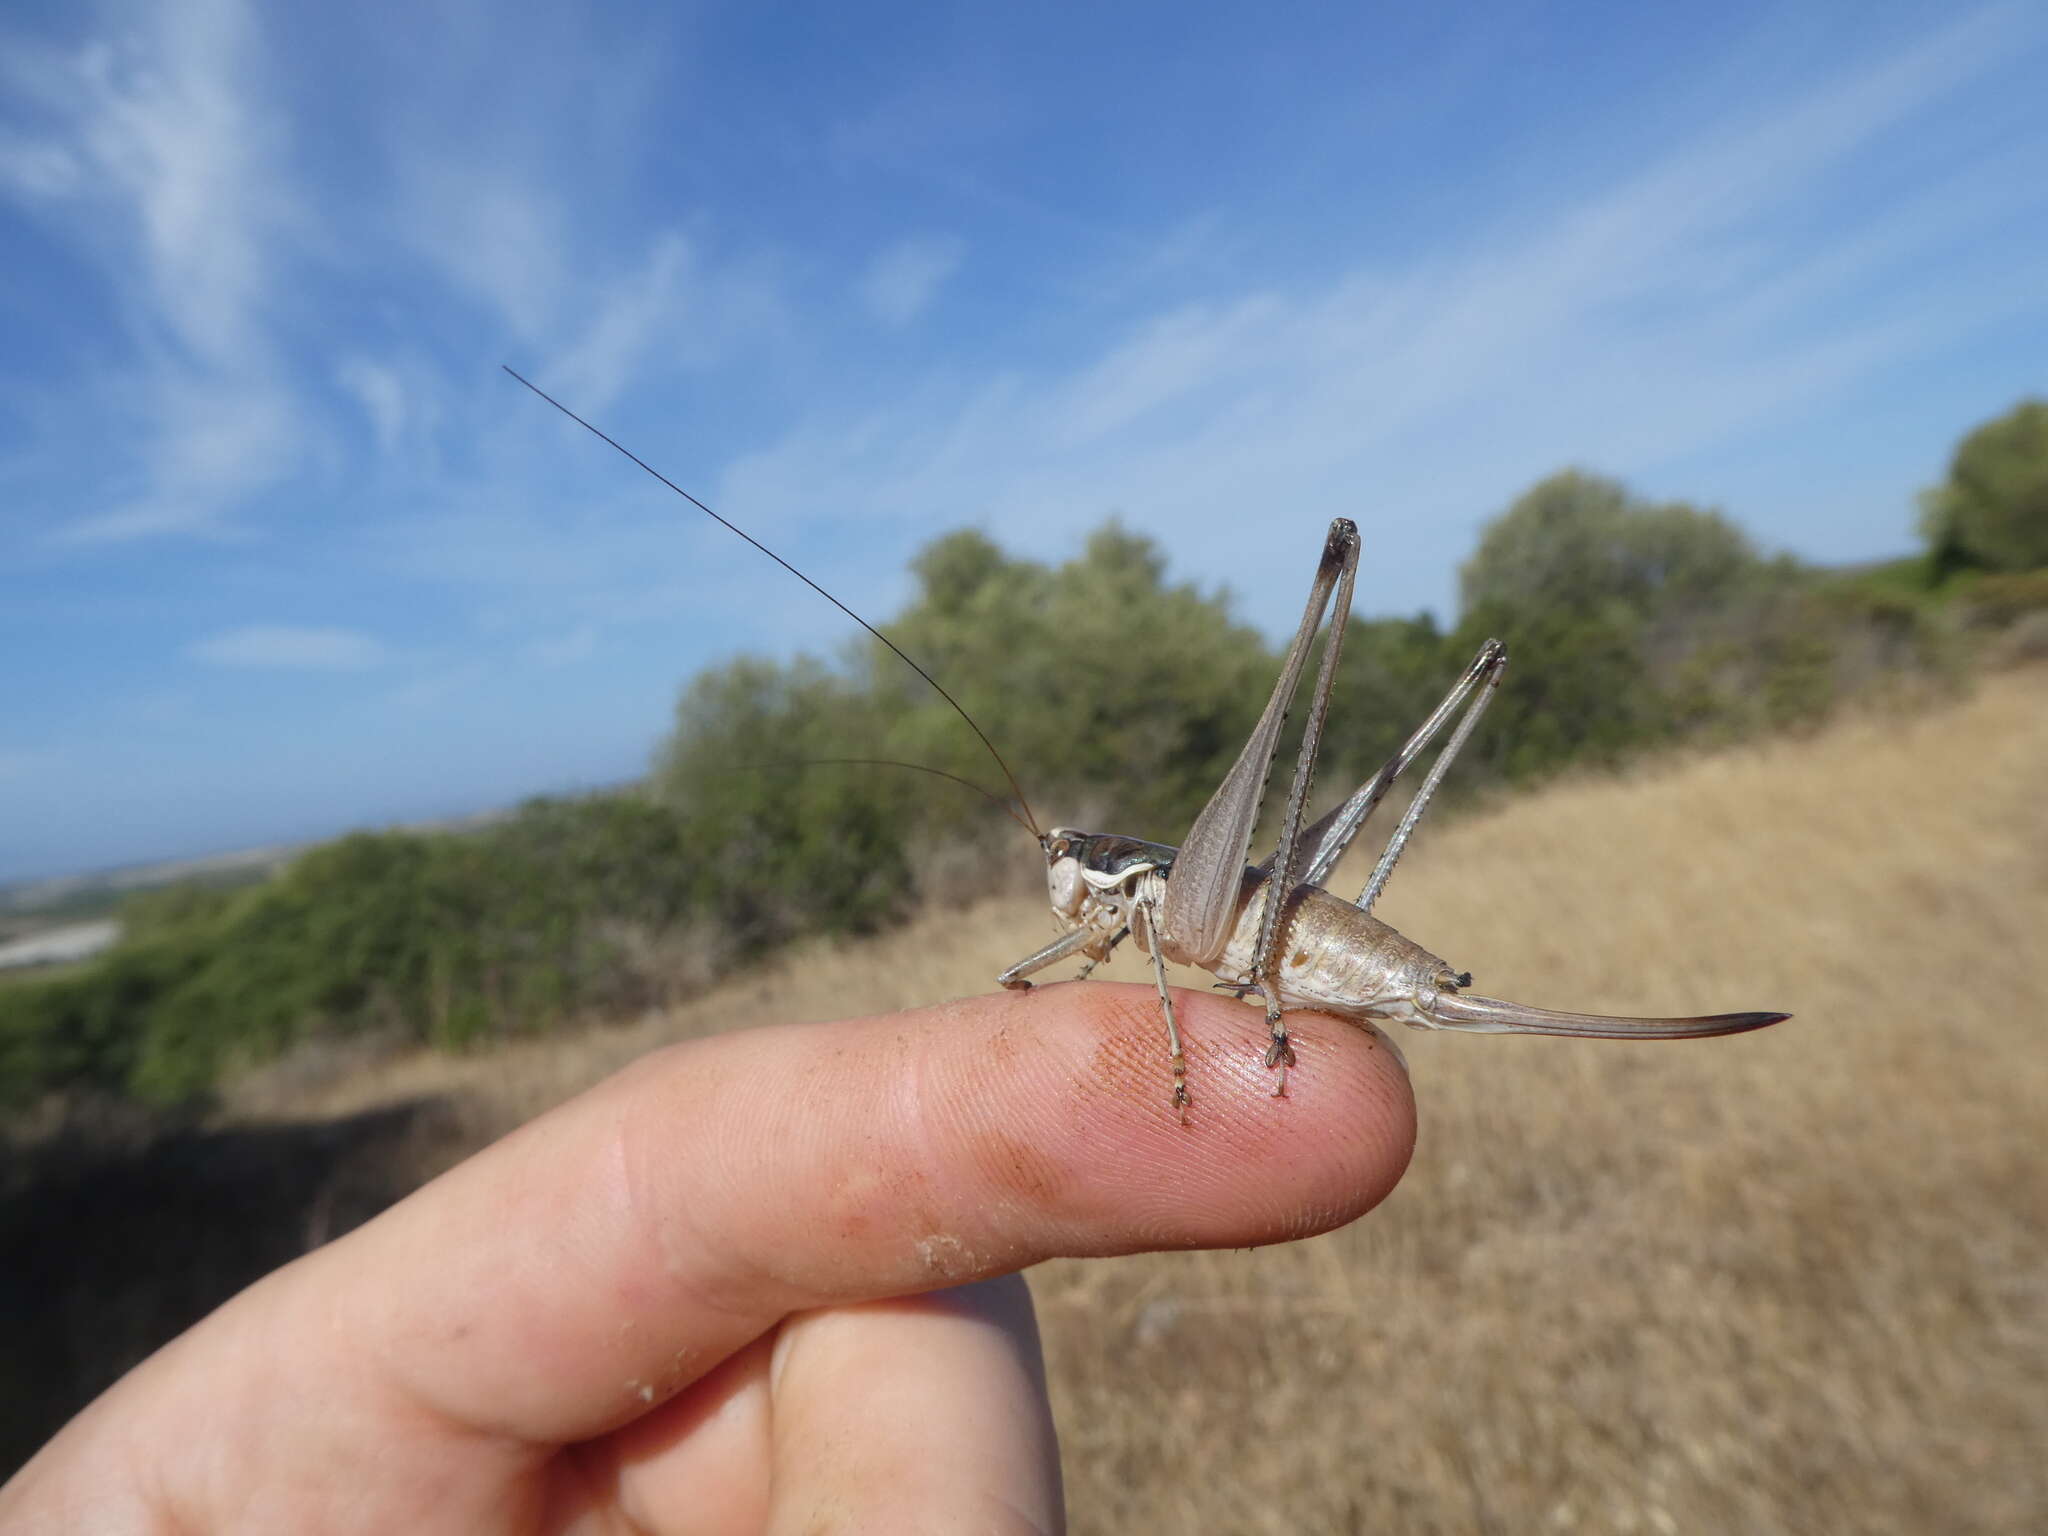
{"points": [[1200, 905]]}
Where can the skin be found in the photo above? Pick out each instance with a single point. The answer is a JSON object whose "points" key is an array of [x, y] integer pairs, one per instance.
{"points": [[764, 1281]]}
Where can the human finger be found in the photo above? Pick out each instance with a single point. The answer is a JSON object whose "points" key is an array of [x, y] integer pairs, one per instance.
{"points": [[586, 1269], [611, 1251]]}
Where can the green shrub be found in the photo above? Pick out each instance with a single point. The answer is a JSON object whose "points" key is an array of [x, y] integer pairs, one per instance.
{"points": [[1991, 513]]}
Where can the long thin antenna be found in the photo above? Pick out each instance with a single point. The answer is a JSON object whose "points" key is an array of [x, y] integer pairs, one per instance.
{"points": [[1030, 821]]}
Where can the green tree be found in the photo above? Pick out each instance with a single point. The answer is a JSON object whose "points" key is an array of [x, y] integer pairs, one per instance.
{"points": [[1603, 599], [1577, 541], [1115, 696], [1991, 513], [778, 839], [1577, 689]]}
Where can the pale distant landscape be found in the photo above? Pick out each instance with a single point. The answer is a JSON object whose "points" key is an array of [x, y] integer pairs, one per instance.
{"points": [[1789, 1282], [30, 898], [55, 919], [60, 944]]}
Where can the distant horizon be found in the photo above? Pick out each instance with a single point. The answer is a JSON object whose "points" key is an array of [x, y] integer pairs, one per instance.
{"points": [[400, 821], [291, 556]]}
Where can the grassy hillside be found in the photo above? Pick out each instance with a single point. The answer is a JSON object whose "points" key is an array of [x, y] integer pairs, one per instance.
{"points": [[1788, 1282]]}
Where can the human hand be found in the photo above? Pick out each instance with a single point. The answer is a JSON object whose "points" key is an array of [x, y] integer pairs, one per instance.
{"points": [[705, 1295]]}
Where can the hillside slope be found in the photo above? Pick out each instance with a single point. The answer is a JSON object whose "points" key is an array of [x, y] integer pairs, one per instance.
{"points": [[1786, 1282]]}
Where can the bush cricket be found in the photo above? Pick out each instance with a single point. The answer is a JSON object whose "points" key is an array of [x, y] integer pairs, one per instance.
{"points": [[1200, 905]]}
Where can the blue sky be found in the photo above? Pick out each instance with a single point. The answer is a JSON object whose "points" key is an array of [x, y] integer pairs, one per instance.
{"points": [[282, 553]]}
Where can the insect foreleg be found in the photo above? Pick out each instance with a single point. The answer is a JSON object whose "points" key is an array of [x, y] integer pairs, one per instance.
{"points": [[1088, 965], [1150, 910], [1051, 954]]}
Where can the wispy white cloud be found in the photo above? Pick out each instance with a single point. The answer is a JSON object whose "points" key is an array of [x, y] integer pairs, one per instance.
{"points": [[164, 122], [578, 644], [1169, 361], [140, 520], [903, 280], [1559, 336], [290, 647], [211, 441], [431, 693], [152, 148], [632, 318], [380, 392], [601, 315], [172, 708], [148, 150], [495, 232], [37, 170], [513, 197]]}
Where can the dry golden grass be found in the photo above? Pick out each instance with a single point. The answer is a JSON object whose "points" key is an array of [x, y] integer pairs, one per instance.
{"points": [[1787, 1282]]}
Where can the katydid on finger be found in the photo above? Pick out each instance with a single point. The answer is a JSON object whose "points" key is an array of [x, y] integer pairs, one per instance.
{"points": [[1271, 930]]}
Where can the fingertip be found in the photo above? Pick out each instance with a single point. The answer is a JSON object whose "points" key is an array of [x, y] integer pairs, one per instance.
{"points": [[1116, 1158]]}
